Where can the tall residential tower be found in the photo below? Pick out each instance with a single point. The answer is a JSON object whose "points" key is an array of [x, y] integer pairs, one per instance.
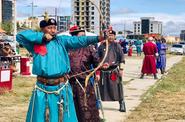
{"points": [[86, 14]]}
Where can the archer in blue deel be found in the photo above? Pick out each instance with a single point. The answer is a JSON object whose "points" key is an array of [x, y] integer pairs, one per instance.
{"points": [[52, 98]]}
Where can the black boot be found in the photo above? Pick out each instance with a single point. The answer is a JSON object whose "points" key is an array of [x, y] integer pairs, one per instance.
{"points": [[155, 76], [162, 71], [122, 107], [142, 76]]}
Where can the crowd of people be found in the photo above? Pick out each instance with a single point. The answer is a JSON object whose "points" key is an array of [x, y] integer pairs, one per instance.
{"points": [[128, 45], [154, 50], [61, 64]]}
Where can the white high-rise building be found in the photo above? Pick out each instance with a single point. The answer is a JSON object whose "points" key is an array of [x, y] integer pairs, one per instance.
{"points": [[105, 9], [63, 23], [86, 15], [147, 25]]}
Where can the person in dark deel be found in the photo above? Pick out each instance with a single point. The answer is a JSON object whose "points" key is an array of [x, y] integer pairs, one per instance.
{"points": [[110, 74], [124, 44]]}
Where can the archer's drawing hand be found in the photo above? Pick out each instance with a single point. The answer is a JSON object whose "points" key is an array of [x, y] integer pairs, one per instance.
{"points": [[48, 37]]}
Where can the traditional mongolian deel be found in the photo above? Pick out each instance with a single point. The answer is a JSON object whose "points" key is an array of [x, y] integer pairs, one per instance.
{"points": [[138, 44], [158, 60], [161, 60], [110, 74], [52, 97], [81, 61], [149, 63], [110, 79], [124, 44]]}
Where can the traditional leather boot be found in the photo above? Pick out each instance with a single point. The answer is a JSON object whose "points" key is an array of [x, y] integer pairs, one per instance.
{"points": [[122, 107], [142, 76], [155, 76], [162, 71]]}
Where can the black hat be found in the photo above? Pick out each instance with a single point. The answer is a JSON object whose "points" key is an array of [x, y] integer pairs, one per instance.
{"points": [[48, 22], [112, 32]]}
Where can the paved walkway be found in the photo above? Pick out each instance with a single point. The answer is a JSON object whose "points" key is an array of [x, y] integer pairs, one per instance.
{"points": [[133, 89]]}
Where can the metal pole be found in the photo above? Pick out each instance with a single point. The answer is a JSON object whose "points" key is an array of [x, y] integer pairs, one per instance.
{"points": [[32, 15], [32, 12], [55, 13], [15, 23], [124, 29]]}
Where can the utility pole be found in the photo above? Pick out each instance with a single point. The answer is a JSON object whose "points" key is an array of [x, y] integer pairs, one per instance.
{"points": [[124, 28], [14, 23], [32, 12], [55, 13]]}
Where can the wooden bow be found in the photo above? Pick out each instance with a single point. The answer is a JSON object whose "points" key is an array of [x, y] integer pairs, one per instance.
{"points": [[106, 52]]}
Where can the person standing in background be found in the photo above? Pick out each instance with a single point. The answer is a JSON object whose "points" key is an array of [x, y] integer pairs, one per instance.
{"points": [[111, 72], [149, 61], [162, 55], [138, 44]]}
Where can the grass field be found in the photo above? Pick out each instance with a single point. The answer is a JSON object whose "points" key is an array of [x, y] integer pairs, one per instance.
{"points": [[166, 101], [13, 105]]}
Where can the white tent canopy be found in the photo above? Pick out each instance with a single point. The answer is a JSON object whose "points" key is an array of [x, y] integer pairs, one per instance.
{"points": [[86, 33]]}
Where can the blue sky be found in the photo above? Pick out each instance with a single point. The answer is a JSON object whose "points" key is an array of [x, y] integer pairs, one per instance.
{"points": [[170, 12], [123, 12], [154, 6]]}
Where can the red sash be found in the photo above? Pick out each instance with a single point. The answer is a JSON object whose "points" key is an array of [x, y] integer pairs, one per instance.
{"points": [[113, 76]]}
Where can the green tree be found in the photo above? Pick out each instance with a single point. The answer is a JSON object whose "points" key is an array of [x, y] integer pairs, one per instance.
{"points": [[24, 26], [8, 27], [37, 28], [18, 25], [120, 32]]}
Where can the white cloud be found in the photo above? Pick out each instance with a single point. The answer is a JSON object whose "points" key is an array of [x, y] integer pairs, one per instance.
{"points": [[20, 15], [63, 7], [122, 11], [54, 3], [172, 24]]}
